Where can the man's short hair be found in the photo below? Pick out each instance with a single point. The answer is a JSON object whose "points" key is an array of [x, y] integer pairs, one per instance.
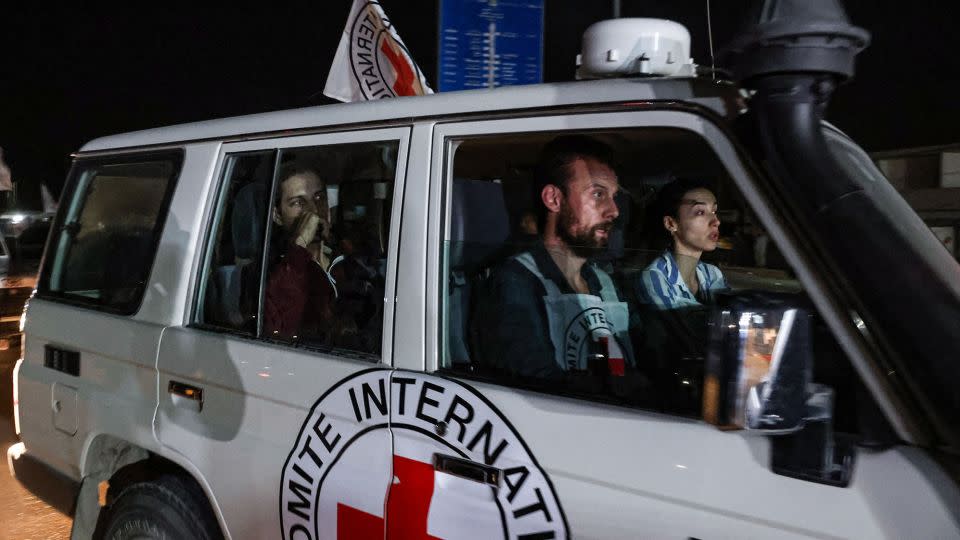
{"points": [[553, 165]]}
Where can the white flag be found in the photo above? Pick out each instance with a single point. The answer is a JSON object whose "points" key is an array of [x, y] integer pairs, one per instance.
{"points": [[6, 181], [371, 61], [49, 203]]}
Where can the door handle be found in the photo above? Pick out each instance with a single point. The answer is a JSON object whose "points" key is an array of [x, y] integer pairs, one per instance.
{"points": [[183, 391], [470, 470]]}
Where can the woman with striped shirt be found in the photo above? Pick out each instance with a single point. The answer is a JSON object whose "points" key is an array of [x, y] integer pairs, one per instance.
{"points": [[678, 278]]}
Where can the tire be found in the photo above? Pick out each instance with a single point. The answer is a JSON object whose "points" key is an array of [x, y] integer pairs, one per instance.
{"points": [[167, 508]]}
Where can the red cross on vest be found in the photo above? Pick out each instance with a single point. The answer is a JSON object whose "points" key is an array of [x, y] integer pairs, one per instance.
{"points": [[408, 504]]}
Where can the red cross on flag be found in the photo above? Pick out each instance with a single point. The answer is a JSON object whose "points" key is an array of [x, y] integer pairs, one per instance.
{"points": [[372, 61]]}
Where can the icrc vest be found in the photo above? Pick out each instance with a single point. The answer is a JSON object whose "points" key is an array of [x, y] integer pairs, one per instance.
{"points": [[582, 325]]}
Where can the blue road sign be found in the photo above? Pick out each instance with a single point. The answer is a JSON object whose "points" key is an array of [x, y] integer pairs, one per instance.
{"points": [[490, 43]]}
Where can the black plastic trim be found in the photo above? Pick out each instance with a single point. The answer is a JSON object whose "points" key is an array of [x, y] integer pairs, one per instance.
{"points": [[61, 360], [464, 468], [49, 485]]}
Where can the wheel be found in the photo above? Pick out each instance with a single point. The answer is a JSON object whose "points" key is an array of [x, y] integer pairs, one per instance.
{"points": [[167, 508]]}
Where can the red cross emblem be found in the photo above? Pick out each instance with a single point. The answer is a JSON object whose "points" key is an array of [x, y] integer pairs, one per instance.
{"points": [[351, 421], [401, 65], [408, 504]]}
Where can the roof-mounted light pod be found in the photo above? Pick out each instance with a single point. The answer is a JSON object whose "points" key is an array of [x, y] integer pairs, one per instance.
{"points": [[635, 47]]}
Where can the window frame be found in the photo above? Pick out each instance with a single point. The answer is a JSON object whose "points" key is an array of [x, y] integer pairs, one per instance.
{"points": [[176, 158], [209, 239], [757, 196], [401, 136]]}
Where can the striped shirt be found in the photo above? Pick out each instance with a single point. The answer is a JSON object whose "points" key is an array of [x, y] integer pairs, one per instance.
{"points": [[661, 286]]}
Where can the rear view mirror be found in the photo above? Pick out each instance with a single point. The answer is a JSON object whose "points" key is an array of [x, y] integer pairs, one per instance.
{"points": [[759, 364]]}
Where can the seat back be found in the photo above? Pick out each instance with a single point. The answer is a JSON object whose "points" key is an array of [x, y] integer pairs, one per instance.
{"points": [[232, 308], [227, 281], [479, 223], [479, 228]]}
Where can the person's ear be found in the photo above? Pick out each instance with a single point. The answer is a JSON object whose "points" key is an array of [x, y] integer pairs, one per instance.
{"points": [[670, 224], [276, 216], [552, 197]]}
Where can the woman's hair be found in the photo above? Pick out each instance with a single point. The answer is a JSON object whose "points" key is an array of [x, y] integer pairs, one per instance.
{"points": [[671, 194]]}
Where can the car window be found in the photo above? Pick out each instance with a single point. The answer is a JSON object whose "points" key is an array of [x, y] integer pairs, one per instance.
{"points": [[106, 236], [298, 255], [652, 234], [326, 267], [231, 291]]}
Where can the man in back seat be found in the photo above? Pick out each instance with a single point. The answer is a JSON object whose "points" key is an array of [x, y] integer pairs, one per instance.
{"points": [[300, 296], [548, 311]]}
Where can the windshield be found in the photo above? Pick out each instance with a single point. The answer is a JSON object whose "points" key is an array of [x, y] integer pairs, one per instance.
{"points": [[917, 307], [859, 167]]}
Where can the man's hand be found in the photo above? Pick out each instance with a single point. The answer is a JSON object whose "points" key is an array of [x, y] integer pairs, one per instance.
{"points": [[306, 229]]}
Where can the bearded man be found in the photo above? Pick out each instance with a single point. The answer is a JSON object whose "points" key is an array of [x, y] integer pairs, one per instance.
{"points": [[548, 311]]}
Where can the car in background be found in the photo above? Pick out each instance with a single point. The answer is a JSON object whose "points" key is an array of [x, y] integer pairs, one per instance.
{"points": [[24, 234]]}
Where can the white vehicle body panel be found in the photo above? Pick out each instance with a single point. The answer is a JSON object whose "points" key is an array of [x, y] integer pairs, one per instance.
{"points": [[619, 471], [116, 393], [256, 397], [448, 103], [171, 281]]}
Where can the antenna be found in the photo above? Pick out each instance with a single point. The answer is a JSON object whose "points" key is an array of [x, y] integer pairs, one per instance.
{"points": [[713, 67]]}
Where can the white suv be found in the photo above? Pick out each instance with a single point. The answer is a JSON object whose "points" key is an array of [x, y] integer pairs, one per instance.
{"points": [[201, 363]]}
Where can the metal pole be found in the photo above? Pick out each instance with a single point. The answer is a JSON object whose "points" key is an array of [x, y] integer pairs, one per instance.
{"points": [[616, 9]]}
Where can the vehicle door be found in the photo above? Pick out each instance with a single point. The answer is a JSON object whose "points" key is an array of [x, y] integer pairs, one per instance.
{"points": [[609, 450], [290, 301]]}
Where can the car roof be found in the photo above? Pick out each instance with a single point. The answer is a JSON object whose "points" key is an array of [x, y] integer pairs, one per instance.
{"points": [[714, 95]]}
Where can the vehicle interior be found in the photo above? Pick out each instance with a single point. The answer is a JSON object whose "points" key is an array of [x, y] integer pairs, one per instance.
{"points": [[488, 200], [359, 181]]}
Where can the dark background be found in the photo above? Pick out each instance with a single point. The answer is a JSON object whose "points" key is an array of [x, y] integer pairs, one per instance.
{"points": [[79, 72]]}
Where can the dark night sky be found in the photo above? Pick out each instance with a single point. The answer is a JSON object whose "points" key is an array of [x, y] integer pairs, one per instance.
{"points": [[79, 72]]}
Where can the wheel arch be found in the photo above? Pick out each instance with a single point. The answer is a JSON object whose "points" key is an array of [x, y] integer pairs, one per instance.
{"points": [[121, 463]]}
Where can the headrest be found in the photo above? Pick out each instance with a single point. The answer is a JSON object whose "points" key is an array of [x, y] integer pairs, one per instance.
{"points": [[247, 221], [479, 221]]}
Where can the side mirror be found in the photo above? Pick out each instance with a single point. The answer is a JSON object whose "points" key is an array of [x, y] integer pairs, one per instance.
{"points": [[758, 377], [759, 364]]}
